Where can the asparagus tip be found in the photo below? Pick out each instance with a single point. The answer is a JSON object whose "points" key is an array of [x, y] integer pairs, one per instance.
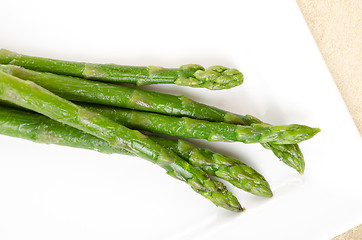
{"points": [[213, 78]]}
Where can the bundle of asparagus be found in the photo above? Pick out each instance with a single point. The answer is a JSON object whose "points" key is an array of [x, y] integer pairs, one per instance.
{"points": [[113, 126]]}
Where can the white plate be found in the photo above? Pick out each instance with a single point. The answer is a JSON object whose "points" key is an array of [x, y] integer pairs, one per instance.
{"points": [[52, 192]]}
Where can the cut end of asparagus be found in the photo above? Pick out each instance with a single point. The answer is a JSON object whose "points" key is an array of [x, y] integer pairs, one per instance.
{"points": [[213, 78]]}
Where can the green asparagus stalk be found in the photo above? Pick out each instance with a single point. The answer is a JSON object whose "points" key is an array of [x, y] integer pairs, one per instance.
{"points": [[38, 128], [214, 78], [290, 154], [224, 167], [201, 129], [31, 96], [185, 127], [83, 90], [41, 129]]}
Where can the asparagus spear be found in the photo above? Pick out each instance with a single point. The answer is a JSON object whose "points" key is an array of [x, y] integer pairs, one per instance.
{"points": [[290, 154], [83, 90], [121, 96], [38, 128], [31, 96], [214, 78], [224, 167], [211, 131]]}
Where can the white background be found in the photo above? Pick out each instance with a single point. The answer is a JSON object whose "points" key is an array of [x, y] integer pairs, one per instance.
{"points": [[53, 192]]}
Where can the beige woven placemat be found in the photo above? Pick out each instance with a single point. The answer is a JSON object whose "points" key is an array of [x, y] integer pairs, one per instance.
{"points": [[336, 26]]}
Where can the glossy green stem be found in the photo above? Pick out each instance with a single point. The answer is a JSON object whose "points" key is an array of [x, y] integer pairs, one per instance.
{"points": [[83, 90], [289, 154], [214, 78], [41, 129], [224, 167], [121, 96], [31, 96], [212, 131]]}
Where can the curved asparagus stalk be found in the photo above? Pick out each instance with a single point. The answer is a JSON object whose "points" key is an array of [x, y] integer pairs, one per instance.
{"points": [[214, 78], [38, 128], [201, 129], [121, 96], [31, 96]]}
